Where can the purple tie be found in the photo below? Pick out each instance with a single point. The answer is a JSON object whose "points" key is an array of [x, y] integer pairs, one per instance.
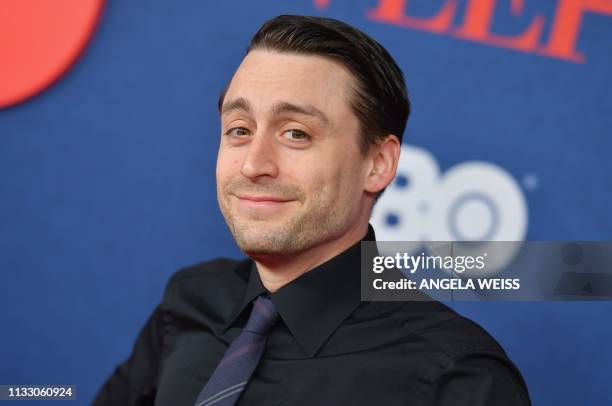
{"points": [[237, 365]]}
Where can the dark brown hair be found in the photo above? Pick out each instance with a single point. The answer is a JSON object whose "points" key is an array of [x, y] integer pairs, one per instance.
{"points": [[380, 99]]}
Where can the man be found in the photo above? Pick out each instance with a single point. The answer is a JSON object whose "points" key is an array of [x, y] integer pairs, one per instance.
{"points": [[312, 123]]}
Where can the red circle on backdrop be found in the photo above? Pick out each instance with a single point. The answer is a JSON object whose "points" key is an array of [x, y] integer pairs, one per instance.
{"points": [[39, 41]]}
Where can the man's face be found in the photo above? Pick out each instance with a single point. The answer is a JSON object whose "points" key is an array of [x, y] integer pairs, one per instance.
{"points": [[290, 174]]}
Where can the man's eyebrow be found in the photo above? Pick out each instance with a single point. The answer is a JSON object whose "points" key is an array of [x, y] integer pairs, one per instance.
{"points": [[307, 109], [237, 104], [283, 107]]}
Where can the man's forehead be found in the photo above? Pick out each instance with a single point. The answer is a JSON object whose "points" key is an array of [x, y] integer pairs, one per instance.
{"points": [[273, 63], [284, 79]]}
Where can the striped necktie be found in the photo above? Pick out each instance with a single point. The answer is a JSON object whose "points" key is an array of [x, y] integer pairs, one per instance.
{"points": [[237, 365]]}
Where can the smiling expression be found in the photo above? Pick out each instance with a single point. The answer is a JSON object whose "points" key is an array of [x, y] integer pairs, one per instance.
{"points": [[290, 173]]}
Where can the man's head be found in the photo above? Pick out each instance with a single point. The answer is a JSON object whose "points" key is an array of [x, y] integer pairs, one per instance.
{"points": [[311, 122]]}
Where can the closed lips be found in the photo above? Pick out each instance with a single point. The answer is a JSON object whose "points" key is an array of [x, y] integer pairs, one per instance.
{"points": [[262, 198]]}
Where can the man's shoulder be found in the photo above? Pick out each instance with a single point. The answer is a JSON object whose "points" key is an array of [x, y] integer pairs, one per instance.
{"points": [[208, 279], [206, 292], [441, 328], [457, 360]]}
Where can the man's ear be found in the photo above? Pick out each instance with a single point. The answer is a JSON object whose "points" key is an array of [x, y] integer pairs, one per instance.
{"points": [[384, 158]]}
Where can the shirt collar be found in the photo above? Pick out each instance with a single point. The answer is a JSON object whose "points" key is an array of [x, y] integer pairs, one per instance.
{"points": [[316, 303]]}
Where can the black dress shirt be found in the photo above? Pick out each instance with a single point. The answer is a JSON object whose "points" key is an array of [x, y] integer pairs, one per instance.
{"points": [[329, 348]]}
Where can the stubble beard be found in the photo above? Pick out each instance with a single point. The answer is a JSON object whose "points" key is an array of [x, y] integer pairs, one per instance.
{"points": [[303, 230]]}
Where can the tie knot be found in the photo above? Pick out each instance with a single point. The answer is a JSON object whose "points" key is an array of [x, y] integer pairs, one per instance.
{"points": [[263, 316]]}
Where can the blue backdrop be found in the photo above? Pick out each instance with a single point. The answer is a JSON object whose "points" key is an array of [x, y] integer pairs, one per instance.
{"points": [[107, 178]]}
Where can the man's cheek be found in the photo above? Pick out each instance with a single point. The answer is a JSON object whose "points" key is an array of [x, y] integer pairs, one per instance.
{"points": [[326, 188]]}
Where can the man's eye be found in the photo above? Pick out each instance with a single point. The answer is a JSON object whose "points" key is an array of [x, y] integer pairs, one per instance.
{"points": [[238, 132], [296, 135]]}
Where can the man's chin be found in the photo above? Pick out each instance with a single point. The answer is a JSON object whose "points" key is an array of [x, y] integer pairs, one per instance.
{"points": [[264, 252], [264, 243]]}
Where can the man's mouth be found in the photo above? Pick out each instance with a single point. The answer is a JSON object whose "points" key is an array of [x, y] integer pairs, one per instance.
{"points": [[262, 202], [263, 198]]}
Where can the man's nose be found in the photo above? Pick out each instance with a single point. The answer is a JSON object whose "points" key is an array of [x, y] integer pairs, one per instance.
{"points": [[260, 159]]}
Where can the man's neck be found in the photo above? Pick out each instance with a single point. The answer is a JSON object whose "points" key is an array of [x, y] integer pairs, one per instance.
{"points": [[276, 272]]}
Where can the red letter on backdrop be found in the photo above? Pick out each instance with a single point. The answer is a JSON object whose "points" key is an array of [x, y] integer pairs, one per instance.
{"points": [[321, 4], [477, 25], [568, 18], [392, 12]]}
